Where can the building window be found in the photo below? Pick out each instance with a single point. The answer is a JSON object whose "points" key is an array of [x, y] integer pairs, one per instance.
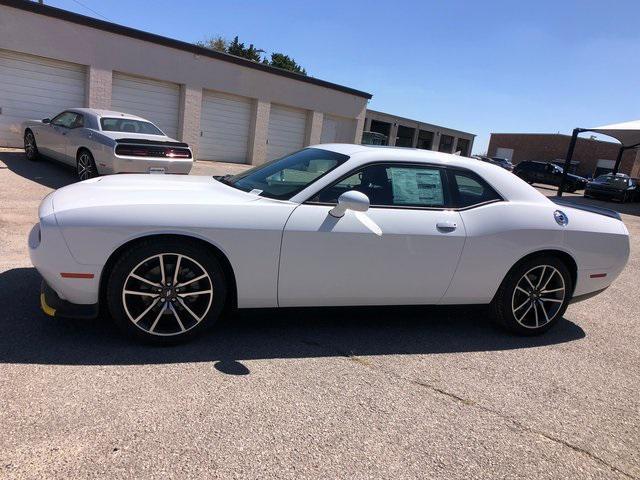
{"points": [[463, 147], [446, 144], [425, 140], [383, 128], [404, 138]]}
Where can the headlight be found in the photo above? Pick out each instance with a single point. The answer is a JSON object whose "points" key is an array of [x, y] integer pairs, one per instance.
{"points": [[35, 237]]}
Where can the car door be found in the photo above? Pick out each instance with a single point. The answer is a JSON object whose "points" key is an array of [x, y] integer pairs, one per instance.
{"points": [[403, 250], [76, 136], [45, 137], [58, 140]]}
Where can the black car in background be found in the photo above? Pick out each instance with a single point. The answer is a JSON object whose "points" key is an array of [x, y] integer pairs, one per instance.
{"points": [[549, 174], [501, 162], [619, 187]]}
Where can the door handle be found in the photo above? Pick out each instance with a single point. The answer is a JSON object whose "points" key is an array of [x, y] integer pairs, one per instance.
{"points": [[446, 225]]}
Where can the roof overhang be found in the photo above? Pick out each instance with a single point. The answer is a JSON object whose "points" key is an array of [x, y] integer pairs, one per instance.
{"points": [[627, 133]]}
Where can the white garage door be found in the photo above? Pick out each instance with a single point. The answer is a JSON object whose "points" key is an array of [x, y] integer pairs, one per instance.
{"points": [[224, 123], [158, 102], [35, 88], [286, 131]]}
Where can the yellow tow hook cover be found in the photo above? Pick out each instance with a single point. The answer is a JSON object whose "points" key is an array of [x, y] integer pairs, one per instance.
{"points": [[46, 308]]}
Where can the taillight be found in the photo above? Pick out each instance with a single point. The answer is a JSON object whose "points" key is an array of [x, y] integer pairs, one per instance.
{"points": [[177, 153], [152, 151]]}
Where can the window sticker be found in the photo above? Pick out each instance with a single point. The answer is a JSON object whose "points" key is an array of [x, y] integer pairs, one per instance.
{"points": [[417, 186]]}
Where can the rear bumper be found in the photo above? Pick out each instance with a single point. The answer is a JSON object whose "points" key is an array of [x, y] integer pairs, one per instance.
{"points": [[54, 306], [144, 165]]}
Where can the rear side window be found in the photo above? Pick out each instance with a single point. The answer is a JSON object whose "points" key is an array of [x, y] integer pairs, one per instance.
{"points": [[128, 125], [469, 189]]}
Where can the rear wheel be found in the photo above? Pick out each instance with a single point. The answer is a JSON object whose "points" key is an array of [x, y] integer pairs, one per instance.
{"points": [[166, 291], [30, 147], [85, 165], [534, 295]]}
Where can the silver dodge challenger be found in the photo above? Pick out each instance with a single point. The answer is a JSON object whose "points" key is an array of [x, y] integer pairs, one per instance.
{"points": [[101, 142]]}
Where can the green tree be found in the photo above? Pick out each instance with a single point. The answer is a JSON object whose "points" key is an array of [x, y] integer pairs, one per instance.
{"points": [[238, 49], [285, 62], [218, 43]]}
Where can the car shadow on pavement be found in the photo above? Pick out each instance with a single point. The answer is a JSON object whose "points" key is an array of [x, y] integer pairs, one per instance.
{"points": [[28, 336], [43, 171]]}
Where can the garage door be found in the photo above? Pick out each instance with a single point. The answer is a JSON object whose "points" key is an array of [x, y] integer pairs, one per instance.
{"points": [[35, 88], [154, 100], [286, 130], [224, 123]]}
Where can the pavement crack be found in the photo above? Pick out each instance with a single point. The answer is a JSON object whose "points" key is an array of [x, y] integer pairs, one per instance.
{"points": [[470, 403]]}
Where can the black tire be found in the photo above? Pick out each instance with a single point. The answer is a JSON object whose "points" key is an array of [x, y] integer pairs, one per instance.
{"points": [[85, 165], [174, 318], [509, 298], [30, 146]]}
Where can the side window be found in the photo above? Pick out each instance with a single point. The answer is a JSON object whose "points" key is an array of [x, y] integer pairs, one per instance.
{"points": [[469, 189], [393, 186], [65, 119], [78, 122]]}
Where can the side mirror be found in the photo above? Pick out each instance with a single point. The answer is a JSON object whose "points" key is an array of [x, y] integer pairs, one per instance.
{"points": [[46, 120], [351, 200]]}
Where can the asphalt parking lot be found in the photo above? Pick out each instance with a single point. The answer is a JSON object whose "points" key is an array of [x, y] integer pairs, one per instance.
{"points": [[340, 393]]}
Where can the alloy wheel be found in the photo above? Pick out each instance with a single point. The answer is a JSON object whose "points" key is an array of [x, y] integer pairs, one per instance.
{"points": [[86, 168], [167, 294], [29, 145], [538, 297]]}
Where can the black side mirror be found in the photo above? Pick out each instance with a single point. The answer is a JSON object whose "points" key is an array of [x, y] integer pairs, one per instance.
{"points": [[46, 120]]}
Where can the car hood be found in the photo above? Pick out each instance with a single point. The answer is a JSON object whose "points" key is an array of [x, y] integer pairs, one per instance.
{"points": [[606, 186], [147, 189], [576, 177]]}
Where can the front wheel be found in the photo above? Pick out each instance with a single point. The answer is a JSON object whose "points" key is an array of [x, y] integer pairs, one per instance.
{"points": [[30, 146], [86, 166], [533, 296], [166, 291]]}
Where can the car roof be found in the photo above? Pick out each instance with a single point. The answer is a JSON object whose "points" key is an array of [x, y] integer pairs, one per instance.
{"points": [[403, 154], [106, 113]]}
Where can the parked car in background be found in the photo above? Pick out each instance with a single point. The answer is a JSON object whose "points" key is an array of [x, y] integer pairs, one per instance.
{"points": [[619, 187], [548, 174], [100, 142], [331, 225], [501, 162]]}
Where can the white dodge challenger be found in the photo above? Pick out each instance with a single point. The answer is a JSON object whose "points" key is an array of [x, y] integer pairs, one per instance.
{"points": [[100, 142], [331, 225]]}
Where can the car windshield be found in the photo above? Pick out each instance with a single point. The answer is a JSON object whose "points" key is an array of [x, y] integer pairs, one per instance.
{"points": [[285, 177], [129, 125], [611, 180]]}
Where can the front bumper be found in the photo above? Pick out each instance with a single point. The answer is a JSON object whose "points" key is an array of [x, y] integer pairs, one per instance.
{"points": [[54, 306]]}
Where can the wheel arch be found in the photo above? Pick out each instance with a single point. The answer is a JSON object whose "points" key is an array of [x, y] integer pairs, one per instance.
{"points": [[561, 255], [232, 295], [80, 149]]}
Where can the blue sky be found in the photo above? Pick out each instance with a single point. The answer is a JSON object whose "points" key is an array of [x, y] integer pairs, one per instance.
{"points": [[479, 66]]}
